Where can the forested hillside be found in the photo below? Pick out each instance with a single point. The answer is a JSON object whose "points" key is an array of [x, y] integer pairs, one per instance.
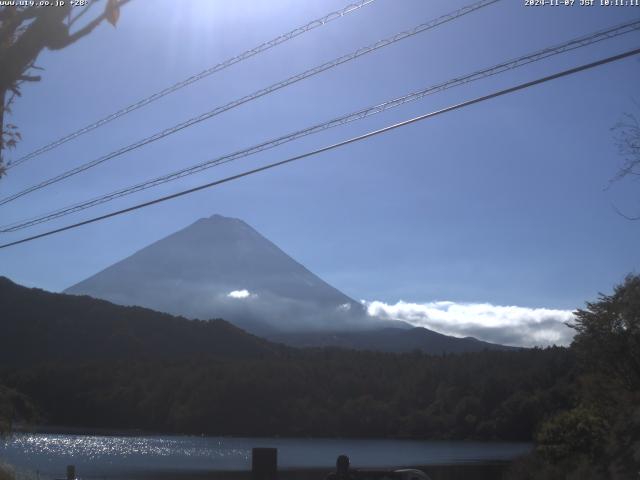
{"points": [[489, 395], [39, 326]]}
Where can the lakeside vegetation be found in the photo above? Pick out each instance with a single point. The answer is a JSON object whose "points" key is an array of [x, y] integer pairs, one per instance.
{"points": [[599, 437]]}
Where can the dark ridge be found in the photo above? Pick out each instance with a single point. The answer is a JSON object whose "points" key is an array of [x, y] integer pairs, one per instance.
{"points": [[393, 340], [39, 326]]}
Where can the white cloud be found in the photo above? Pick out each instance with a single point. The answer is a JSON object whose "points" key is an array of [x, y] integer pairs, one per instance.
{"points": [[239, 294], [508, 325], [345, 307]]}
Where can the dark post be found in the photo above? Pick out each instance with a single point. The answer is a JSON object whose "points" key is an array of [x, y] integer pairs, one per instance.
{"points": [[71, 472], [264, 464], [342, 467]]}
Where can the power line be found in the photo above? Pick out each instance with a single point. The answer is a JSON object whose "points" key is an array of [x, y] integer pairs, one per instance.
{"points": [[404, 123], [265, 91], [194, 78], [523, 60]]}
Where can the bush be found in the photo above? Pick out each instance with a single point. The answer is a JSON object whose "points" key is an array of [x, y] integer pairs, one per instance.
{"points": [[7, 472], [580, 431]]}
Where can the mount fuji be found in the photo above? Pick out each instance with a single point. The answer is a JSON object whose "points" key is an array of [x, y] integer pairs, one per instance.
{"points": [[220, 267]]}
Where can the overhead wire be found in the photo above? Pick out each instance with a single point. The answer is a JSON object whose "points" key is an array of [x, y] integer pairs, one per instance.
{"points": [[579, 42], [263, 47], [358, 138], [253, 96]]}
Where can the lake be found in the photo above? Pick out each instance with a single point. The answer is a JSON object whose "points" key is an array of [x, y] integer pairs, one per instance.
{"points": [[126, 456]]}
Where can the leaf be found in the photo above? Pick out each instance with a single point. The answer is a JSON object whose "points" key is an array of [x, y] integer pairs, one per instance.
{"points": [[112, 12]]}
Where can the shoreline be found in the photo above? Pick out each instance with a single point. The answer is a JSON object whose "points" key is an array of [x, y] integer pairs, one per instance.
{"points": [[477, 471], [305, 459]]}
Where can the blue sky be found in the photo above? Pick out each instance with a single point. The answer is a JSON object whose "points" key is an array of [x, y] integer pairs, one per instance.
{"points": [[502, 203]]}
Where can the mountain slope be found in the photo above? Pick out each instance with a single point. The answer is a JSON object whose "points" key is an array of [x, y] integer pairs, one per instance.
{"points": [[39, 326], [220, 267]]}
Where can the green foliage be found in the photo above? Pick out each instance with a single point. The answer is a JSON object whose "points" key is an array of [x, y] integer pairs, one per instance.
{"points": [[5, 415], [534, 467], [600, 437], [8, 472], [14, 406], [608, 335], [580, 431]]}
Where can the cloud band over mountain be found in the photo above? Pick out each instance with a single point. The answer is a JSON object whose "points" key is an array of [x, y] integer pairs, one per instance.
{"points": [[508, 325]]}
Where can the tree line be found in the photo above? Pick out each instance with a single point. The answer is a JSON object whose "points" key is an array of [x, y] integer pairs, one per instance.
{"points": [[326, 392]]}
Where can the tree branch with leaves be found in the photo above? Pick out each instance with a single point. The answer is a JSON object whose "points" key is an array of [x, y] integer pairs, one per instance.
{"points": [[24, 33], [627, 138]]}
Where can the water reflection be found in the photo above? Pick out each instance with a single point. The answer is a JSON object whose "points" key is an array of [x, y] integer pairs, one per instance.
{"points": [[109, 455]]}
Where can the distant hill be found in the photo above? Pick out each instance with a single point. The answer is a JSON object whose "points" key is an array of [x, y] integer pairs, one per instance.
{"points": [[221, 267], [394, 340], [38, 326]]}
